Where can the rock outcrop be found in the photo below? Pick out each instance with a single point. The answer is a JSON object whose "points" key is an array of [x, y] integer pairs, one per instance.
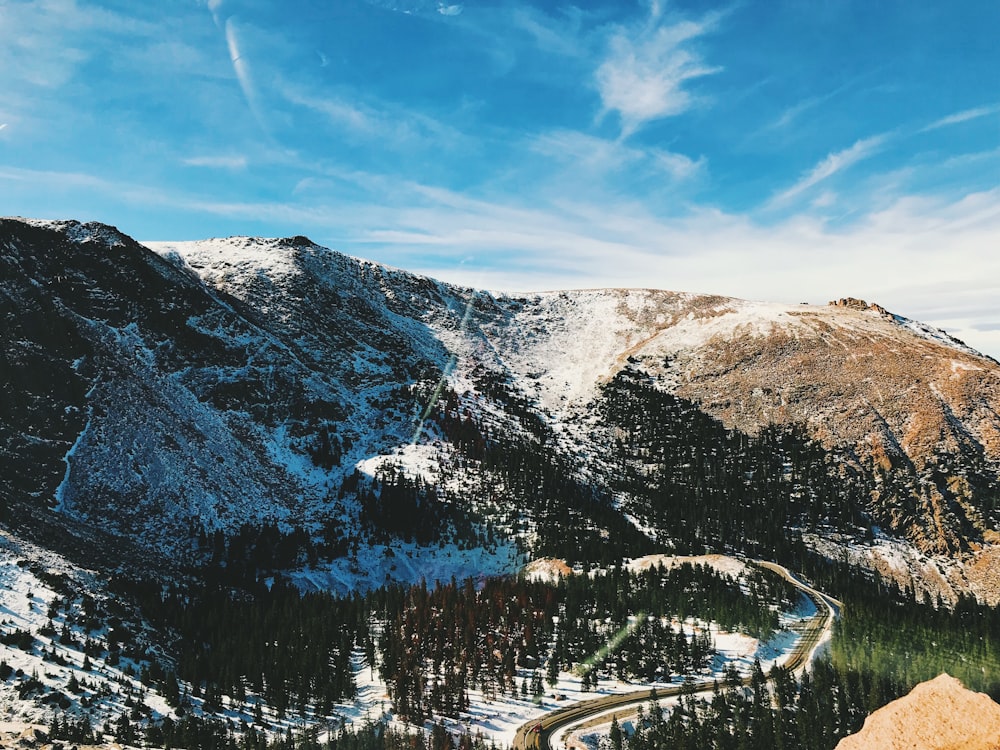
{"points": [[937, 715]]}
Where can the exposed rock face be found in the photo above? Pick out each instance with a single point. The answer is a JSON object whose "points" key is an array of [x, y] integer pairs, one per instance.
{"points": [[860, 304], [937, 715]]}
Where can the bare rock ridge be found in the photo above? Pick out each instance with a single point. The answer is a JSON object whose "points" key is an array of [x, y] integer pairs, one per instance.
{"points": [[940, 714], [859, 304]]}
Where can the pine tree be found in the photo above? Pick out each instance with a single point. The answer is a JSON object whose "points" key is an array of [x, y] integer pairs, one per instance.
{"points": [[615, 734]]}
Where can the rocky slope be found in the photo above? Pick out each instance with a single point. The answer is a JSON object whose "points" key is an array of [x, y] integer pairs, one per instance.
{"points": [[936, 715], [161, 393], [918, 410]]}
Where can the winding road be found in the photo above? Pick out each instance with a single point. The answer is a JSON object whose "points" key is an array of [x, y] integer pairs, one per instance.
{"points": [[537, 733]]}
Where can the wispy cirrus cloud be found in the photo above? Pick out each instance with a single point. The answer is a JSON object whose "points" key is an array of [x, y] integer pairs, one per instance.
{"points": [[789, 115], [561, 35], [963, 116], [602, 157], [241, 67], [216, 162], [392, 124], [46, 41], [643, 76], [831, 165]]}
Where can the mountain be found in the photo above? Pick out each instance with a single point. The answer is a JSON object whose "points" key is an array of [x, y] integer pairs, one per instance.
{"points": [[276, 400], [937, 715]]}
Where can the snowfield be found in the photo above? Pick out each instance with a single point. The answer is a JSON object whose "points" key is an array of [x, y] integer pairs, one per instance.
{"points": [[26, 602]]}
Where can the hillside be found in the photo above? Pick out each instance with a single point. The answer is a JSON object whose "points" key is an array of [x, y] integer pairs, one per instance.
{"points": [[178, 396], [249, 485]]}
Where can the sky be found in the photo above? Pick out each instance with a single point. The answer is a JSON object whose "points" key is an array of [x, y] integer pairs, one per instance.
{"points": [[782, 150]]}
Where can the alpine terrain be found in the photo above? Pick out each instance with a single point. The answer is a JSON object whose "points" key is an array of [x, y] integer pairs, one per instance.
{"points": [[335, 461]]}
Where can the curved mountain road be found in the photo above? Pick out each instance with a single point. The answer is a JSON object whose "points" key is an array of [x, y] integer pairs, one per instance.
{"points": [[537, 734]]}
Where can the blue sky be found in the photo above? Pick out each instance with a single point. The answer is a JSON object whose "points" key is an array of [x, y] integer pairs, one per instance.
{"points": [[787, 150]]}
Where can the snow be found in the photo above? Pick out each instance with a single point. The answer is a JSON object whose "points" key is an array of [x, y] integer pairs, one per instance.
{"points": [[567, 344], [78, 232], [25, 600], [60, 493], [936, 335], [407, 563], [24, 603], [415, 460], [221, 259], [958, 367]]}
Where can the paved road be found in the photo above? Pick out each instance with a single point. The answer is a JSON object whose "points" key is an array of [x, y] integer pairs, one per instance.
{"points": [[537, 734]]}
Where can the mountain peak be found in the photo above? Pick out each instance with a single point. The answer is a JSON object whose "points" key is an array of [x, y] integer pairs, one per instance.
{"points": [[940, 714]]}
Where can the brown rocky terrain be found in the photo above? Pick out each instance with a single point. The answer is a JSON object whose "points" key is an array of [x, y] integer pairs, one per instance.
{"points": [[914, 410], [899, 403], [900, 400], [937, 715], [917, 409]]}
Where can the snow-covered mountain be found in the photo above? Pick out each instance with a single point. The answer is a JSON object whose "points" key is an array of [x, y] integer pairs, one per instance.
{"points": [[172, 396]]}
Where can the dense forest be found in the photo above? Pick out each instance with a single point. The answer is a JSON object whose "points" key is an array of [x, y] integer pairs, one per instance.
{"points": [[773, 712], [294, 651], [445, 641], [885, 642], [702, 486], [689, 483], [201, 733], [277, 656]]}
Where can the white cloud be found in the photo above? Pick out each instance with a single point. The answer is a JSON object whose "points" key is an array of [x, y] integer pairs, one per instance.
{"points": [[449, 10], [217, 162], [825, 199], [828, 167], [46, 41], [644, 74], [603, 157], [241, 67], [793, 112], [339, 112], [389, 124], [900, 257], [559, 35], [963, 116]]}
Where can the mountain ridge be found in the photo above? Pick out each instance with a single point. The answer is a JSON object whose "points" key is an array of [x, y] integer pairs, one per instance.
{"points": [[301, 365]]}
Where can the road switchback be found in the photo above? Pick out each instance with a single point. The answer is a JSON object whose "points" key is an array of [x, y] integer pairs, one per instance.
{"points": [[537, 734]]}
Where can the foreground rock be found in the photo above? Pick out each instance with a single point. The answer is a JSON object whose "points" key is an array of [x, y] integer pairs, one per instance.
{"points": [[937, 715]]}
